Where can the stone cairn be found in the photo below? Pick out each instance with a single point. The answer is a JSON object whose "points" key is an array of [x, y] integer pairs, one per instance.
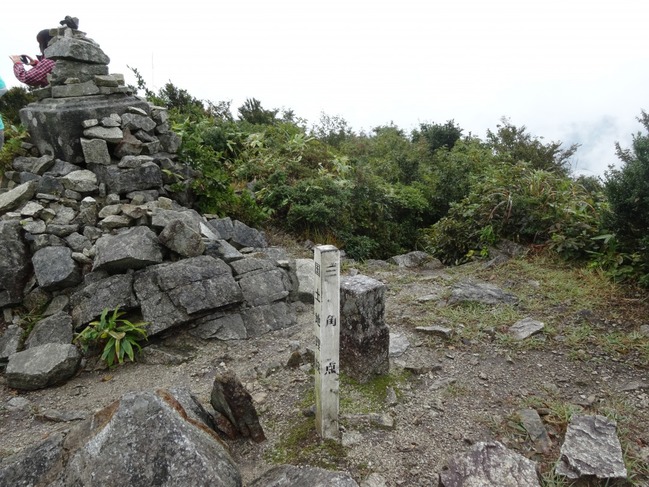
{"points": [[98, 215]]}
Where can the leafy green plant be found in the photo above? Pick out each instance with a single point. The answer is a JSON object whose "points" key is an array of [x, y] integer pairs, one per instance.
{"points": [[118, 336]]}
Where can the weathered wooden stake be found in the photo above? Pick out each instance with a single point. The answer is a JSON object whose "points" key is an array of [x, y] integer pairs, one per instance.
{"points": [[326, 306]]}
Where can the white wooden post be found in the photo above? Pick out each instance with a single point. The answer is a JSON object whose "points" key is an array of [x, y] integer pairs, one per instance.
{"points": [[326, 307]]}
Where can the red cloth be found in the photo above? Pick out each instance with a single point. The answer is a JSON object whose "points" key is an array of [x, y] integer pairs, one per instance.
{"points": [[37, 75]]}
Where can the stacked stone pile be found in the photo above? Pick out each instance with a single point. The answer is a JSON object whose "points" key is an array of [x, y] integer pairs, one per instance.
{"points": [[81, 67], [100, 215]]}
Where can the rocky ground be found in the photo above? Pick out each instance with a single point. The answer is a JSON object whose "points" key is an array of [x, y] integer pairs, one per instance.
{"points": [[442, 394]]}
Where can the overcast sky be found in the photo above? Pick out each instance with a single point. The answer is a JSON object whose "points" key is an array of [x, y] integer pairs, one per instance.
{"points": [[569, 70]]}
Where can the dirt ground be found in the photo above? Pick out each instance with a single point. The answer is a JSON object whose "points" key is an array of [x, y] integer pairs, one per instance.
{"points": [[441, 396]]}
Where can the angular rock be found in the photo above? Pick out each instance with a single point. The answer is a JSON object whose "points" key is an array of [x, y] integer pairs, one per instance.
{"points": [[181, 450], [533, 424], [221, 327], [416, 258], [132, 121], [34, 464], [14, 265], [110, 292], [55, 268], [262, 319], [82, 181], [34, 165], [56, 124], [305, 275], [260, 288], [134, 248], [17, 196], [10, 342], [399, 343], [487, 464], [364, 336], [107, 134], [591, 448], [292, 476], [76, 49], [42, 366], [221, 249], [181, 238], [525, 328], [95, 151], [223, 226], [252, 264], [230, 398], [245, 236], [170, 293], [113, 222], [65, 69], [53, 329], [121, 181], [480, 292], [440, 331], [161, 217]]}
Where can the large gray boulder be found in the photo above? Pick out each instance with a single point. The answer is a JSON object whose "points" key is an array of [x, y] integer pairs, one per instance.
{"points": [[292, 476], [133, 248], [53, 329], [261, 281], [487, 464], [55, 268], [178, 449], [162, 438], [15, 267], [42, 366], [56, 124], [110, 292], [176, 293]]}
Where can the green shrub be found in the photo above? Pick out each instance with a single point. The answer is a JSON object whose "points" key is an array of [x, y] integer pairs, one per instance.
{"points": [[118, 336], [522, 204], [627, 189]]}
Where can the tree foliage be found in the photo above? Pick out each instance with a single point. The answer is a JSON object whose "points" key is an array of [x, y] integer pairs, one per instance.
{"points": [[627, 189], [515, 144], [386, 192], [438, 136]]}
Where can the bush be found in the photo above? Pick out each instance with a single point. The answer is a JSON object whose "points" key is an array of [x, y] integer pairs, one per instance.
{"points": [[627, 189], [522, 204]]}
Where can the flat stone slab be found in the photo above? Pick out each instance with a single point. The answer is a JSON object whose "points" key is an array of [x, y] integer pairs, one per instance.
{"points": [[525, 328], [533, 424], [480, 292], [134, 248], [42, 366], [489, 464], [292, 476], [591, 448]]}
